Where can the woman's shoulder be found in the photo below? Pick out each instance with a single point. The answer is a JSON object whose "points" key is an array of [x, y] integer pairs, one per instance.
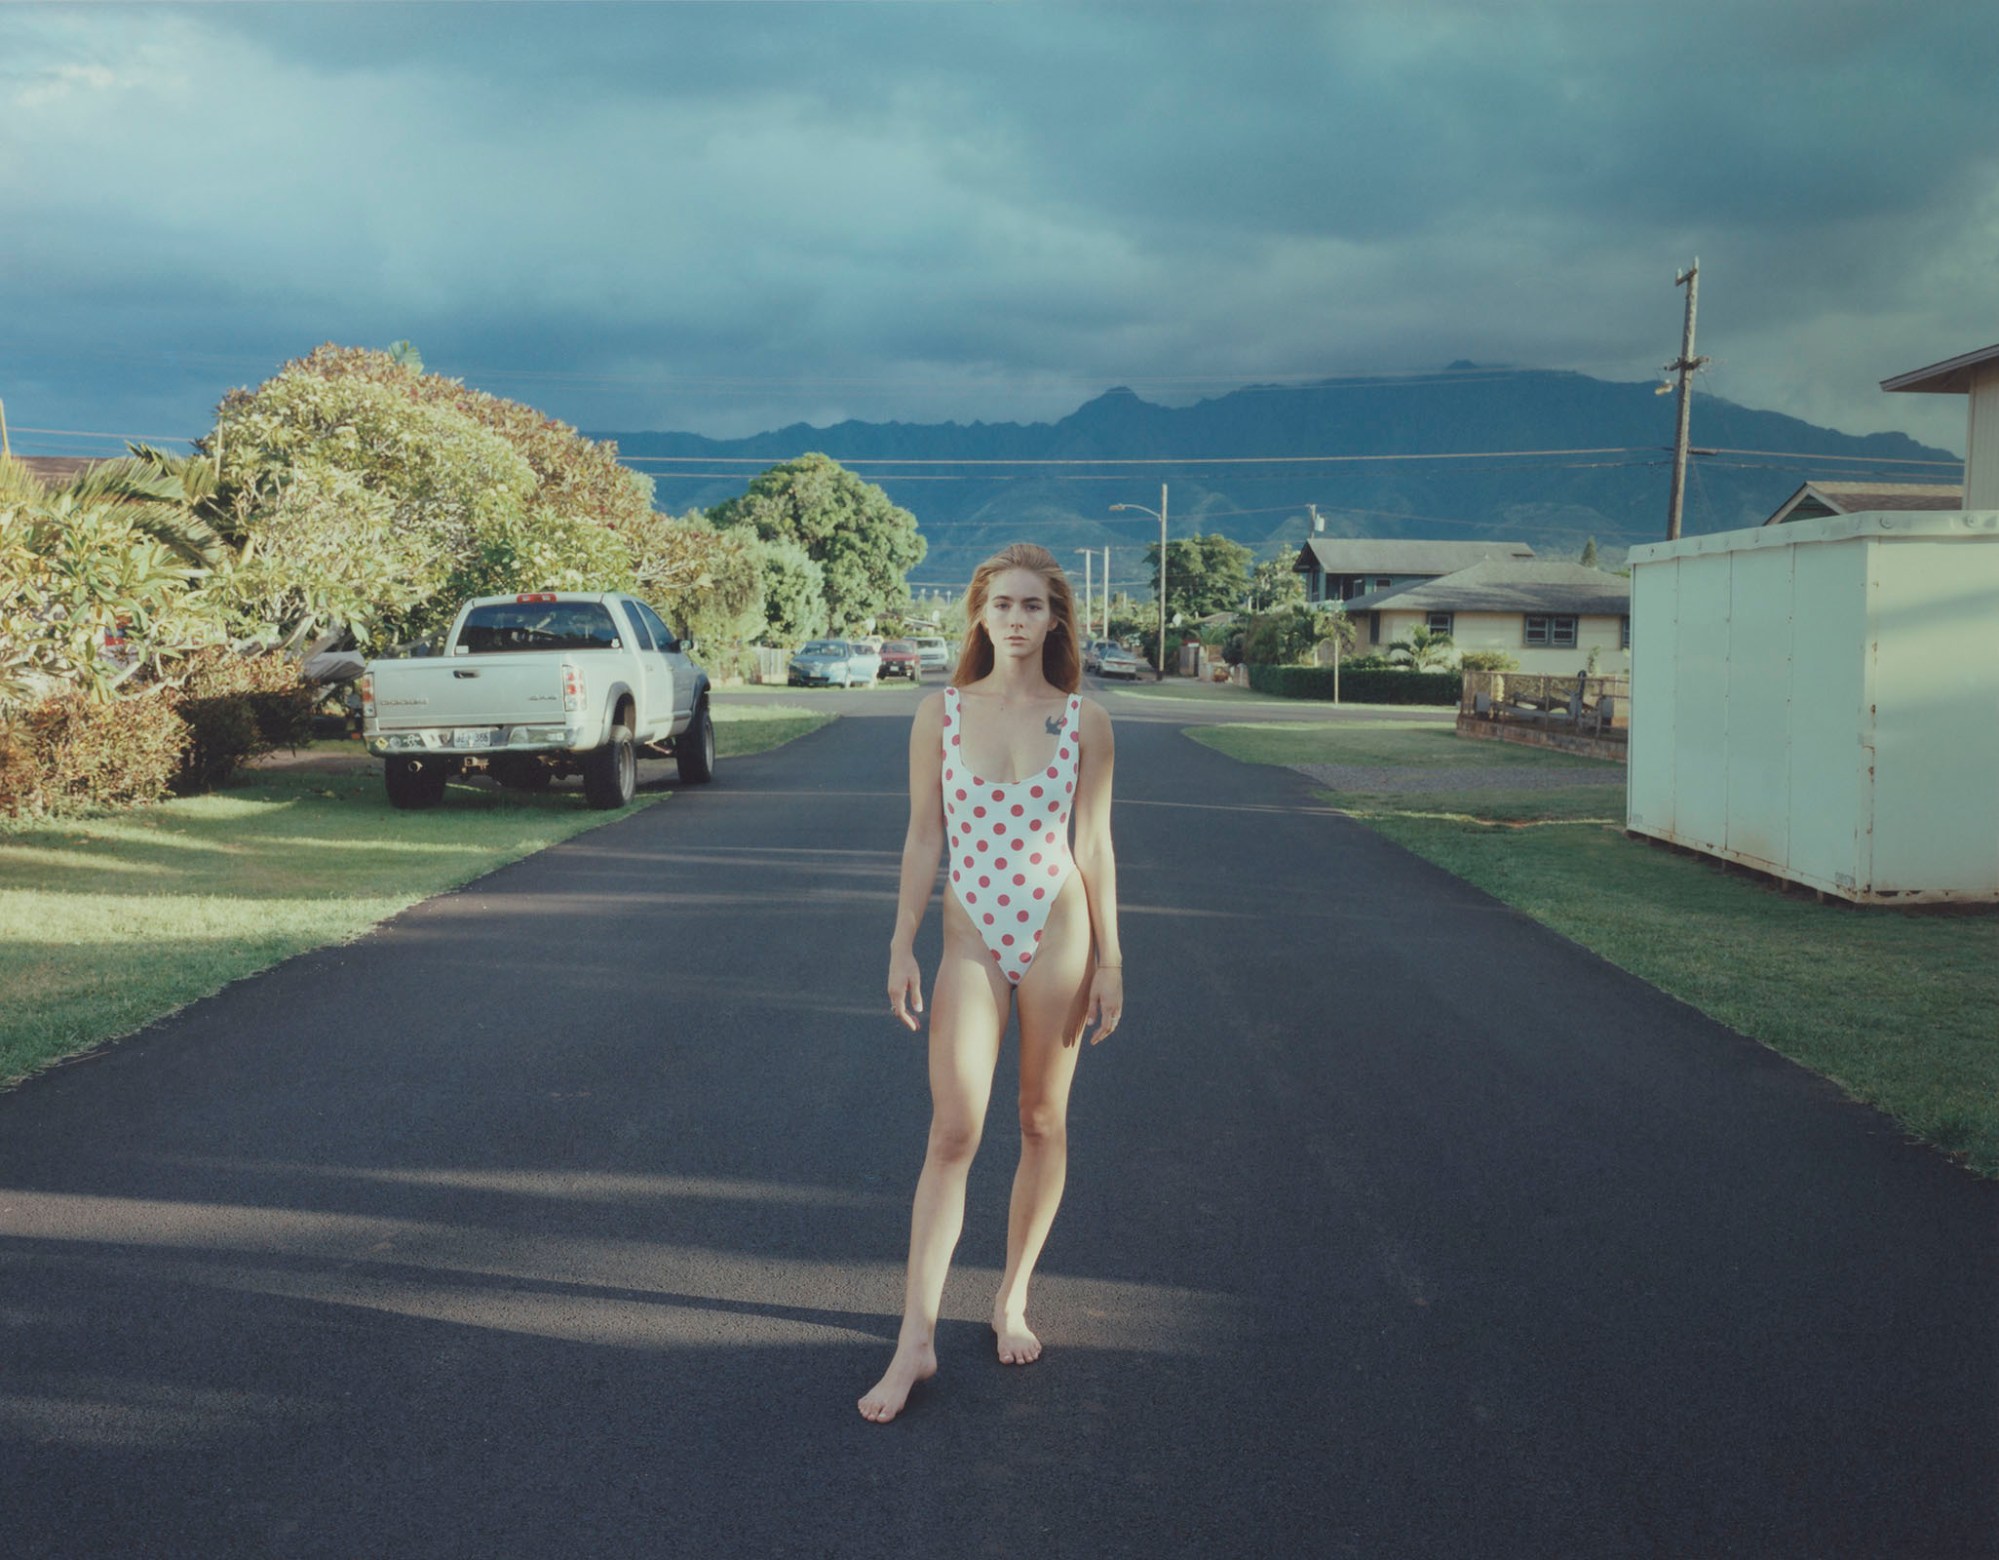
{"points": [[931, 707], [1092, 716]]}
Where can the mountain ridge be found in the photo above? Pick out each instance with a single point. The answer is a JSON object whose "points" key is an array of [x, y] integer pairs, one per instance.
{"points": [[1470, 452]]}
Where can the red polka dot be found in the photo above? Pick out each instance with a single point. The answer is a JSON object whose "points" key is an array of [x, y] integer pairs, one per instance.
{"points": [[1054, 869], [954, 739], [995, 952], [970, 897], [999, 795], [978, 812], [1051, 771], [1051, 839], [1000, 827], [982, 844], [1054, 804], [968, 861], [1007, 938], [1033, 860], [1019, 878], [1039, 892], [1034, 790], [947, 717], [985, 882], [954, 874], [1022, 914], [1070, 786], [1064, 753], [1000, 862], [961, 793], [989, 918], [1003, 899], [1018, 809], [1037, 937]]}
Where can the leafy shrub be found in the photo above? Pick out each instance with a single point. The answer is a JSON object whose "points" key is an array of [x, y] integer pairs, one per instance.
{"points": [[1373, 661], [237, 707], [1358, 685], [1487, 661], [72, 752]]}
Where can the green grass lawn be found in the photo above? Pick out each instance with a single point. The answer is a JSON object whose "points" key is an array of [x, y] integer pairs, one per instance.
{"points": [[1895, 1006], [109, 922]]}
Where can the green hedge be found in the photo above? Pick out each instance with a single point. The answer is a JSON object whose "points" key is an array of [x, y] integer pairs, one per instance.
{"points": [[1358, 685], [71, 753]]}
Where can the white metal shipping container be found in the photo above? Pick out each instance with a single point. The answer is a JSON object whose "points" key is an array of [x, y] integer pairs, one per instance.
{"points": [[1820, 700]]}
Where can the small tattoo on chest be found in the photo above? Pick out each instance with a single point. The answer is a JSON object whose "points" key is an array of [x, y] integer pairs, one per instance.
{"points": [[1053, 725]]}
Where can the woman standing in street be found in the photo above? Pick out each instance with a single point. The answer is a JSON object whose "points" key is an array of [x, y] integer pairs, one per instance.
{"points": [[1000, 764]]}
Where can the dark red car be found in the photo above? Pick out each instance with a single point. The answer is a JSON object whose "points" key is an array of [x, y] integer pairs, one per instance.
{"points": [[900, 659]]}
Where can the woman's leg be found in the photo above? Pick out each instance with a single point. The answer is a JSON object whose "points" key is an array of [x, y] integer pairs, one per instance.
{"points": [[1054, 997], [968, 1012]]}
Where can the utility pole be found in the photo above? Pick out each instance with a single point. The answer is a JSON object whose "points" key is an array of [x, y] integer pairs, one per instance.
{"points": [[1107, 592], [1162, 579], [6, 450], [1089, 590], [1684, 367]]}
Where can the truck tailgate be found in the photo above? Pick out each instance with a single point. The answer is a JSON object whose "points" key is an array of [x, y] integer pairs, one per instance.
{"points": [[487, 690]]}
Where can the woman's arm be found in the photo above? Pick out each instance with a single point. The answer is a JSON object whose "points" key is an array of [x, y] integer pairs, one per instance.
{"points": [[1097, 866], [922, 849]]}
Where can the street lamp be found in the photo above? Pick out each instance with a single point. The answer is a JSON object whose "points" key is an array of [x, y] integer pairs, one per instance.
{"points": [[1158, 514]]}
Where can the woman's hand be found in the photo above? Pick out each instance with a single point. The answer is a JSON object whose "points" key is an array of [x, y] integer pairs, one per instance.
{"points": [[1106, 1001], [905, 986]]}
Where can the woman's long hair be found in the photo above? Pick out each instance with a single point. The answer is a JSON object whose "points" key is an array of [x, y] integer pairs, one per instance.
{"points": [[1061, 656]]}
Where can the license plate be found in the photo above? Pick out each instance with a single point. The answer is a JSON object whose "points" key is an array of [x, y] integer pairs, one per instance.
{"points": [[472, 739]]}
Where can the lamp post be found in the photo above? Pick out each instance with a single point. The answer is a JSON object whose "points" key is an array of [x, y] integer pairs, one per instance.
{"points": [[1158, 514]]}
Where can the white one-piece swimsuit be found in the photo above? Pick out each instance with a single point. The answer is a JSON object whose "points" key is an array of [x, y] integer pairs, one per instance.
{"points": [[1009, 841]]}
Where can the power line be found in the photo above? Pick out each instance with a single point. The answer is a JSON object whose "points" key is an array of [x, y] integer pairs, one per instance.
{"points": [[1153, 460]]}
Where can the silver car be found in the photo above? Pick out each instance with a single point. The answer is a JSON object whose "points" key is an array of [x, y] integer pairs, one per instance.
{"points": [[1116, 661], [934, 655], [833, 662]]}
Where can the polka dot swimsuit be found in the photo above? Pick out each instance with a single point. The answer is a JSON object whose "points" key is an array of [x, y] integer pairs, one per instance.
{"points": [[1009, 844]]}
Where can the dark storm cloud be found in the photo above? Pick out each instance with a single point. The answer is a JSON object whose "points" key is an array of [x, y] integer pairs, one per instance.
{"points": [[735, 216]]}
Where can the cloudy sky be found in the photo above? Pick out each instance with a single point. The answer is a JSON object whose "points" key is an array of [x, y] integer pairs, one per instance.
{"points": [[732, 216]]}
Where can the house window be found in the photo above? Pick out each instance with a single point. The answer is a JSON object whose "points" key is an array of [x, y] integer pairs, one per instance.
{"points": [[1440, 623], [1554, 633], [1383, 584], [1374, 628], [1624, 640]]}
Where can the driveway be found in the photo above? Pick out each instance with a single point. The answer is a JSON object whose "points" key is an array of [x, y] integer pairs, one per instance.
{"points": [[564, 1215]]}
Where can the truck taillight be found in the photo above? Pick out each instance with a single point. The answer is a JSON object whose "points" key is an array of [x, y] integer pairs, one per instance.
{"points": [[537, 596], [572, 687], [367, 695]]}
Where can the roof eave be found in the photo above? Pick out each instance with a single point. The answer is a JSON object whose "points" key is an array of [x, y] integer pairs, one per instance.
{"points": [[1953, 376]]}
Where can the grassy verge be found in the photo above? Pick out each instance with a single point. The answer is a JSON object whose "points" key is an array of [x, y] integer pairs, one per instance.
{"points": [[1895, 1006], [741, 729], [107, 923]]}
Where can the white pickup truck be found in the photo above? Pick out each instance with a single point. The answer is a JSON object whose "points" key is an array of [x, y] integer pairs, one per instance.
{"points": [[534, 686]]}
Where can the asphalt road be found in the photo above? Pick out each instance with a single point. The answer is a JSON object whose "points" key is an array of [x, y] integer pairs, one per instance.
{"points": [[564, 1215]]}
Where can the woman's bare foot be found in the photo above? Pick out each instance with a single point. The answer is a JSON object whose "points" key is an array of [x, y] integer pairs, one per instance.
{"points": [[909, 1366], [1017, 1343]]}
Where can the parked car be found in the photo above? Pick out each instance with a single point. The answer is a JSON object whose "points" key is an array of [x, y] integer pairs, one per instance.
{"points": [[537, 685], [1116, 661], [934, 653], [899, 659], [1093, 654], [825, 663]]}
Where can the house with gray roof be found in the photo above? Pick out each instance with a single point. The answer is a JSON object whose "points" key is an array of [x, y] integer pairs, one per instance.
{"points": [[1547, 615], [1338, 568], [1814, 500]]}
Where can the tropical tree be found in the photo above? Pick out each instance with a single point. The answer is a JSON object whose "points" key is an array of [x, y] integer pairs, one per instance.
{"points": [[1204, 575], [1290, 635], [707, 583], [794, 595], [1420, 649], [89, 600], [366, 499], [1275, 584], [864, 544], [1588, 559]]}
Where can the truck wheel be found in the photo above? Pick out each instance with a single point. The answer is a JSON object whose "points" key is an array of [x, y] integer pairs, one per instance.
{"points": [[414, 783], [611, 773], [695, 751]]}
